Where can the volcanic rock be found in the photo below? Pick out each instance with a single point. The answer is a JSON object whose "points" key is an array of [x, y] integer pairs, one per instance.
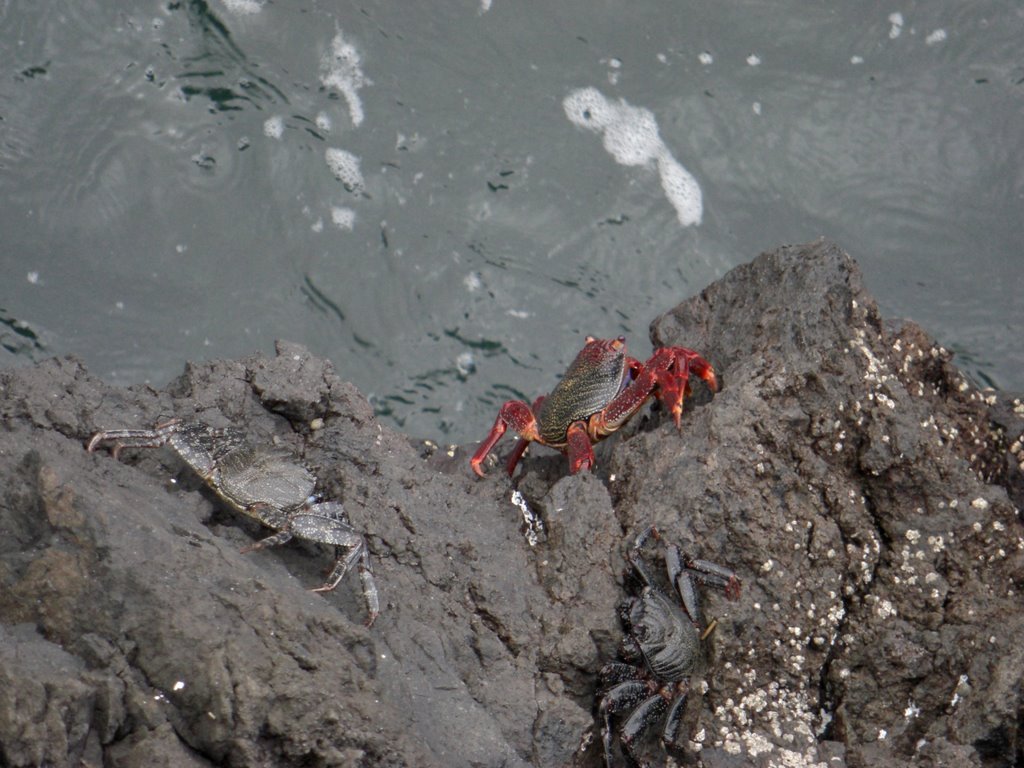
{"points": [[865, 491]]}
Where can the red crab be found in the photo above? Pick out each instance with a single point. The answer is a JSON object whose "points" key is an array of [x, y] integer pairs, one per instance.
{"points": [[602, 388]]}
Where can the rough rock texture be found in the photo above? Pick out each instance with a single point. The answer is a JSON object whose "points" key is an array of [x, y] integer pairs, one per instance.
{"points": [[865, 493]]}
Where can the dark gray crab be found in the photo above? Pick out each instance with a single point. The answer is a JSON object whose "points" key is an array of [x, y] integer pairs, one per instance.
{"points": [[662, 647], [267, 484]]}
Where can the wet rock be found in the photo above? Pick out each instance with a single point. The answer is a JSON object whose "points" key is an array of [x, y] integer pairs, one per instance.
{"points": [[863, 490]]}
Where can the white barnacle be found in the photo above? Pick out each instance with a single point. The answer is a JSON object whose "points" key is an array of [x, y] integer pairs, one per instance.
{"points": [[961, 687], [885, 609]]}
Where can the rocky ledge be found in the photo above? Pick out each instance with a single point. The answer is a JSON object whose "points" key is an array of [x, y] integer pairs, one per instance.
{"points": [[866, 493]]}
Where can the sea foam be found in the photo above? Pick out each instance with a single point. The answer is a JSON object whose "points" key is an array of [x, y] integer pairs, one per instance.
{"points": [[345, 167], [245, 7], [630, 135], [341, 70]]}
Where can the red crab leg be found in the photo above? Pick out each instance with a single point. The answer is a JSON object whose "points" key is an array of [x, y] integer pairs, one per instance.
{"points": [[580, 449], [521, 444], [515, 414], [517, 453], [666, 376], [672, 367]]}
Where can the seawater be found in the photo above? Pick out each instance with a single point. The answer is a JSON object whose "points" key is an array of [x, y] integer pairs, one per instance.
{"points": [[445, 200]]}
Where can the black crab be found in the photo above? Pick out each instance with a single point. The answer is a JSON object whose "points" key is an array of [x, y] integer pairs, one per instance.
{"points": [[267, 484], [662, 647]]}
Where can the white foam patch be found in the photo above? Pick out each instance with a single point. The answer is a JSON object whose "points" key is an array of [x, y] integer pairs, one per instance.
{"points": [[938, 36], [343, 218], [465, 363], [896, 20], [614, 70], [588, 108], [345, 167], [630, 135], [682, 190], [341, 69], [633, 138], [245, 7], [273, 127]]}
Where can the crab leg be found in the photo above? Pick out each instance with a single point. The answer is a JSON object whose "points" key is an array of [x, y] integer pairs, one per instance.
{"points": [[674, 719], [672, 367], [640, 720], [513, 458], [618, 672], [133, 438], [714, 575], [369, 589], [515, 414], [357, 553], [342, 566], [281, 537], [634, 553], [666, 377], [521, 445], [581, 452], [617, 698], [322, 523], [682, 571]]}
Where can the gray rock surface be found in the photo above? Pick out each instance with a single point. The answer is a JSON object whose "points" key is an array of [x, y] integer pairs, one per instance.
{"points": [[865, 492]]}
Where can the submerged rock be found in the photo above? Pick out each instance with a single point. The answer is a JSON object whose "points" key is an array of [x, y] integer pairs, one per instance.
{"points": [[864, 491]]}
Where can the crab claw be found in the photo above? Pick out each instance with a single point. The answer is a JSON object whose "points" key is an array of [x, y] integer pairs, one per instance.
{"points": [[672, 391], [672, 367], [475, 464], [702, 368]]}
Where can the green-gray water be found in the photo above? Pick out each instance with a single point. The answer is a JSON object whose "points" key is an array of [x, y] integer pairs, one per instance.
{"points": [[445, 198]]}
